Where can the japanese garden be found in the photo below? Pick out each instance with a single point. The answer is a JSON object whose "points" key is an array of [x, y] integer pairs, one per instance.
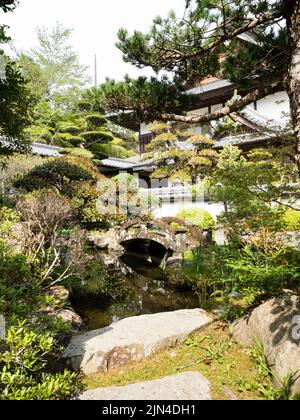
{"points": [[150, 225]]}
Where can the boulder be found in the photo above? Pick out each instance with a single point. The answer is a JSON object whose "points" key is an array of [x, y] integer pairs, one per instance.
{"points": [[274, 325], [2, 328], [132, 339], [70, 316], [181, 387], [61, 294]]}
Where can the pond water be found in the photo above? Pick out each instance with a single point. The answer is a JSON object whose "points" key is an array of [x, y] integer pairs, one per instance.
{"points": [[147, 292]]}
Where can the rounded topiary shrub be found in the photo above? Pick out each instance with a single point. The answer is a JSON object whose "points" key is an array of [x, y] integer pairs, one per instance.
{"points": [[76, 140], [84, 106], [62, 140], [97, 136], [198, 217], [95, 120], [73, 130], [99, 151]]}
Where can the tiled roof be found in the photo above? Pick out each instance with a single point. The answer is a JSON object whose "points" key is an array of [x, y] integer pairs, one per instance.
{"points": [[260, 120], [36, 148], [118, 163], [219, 84], [45, 150], [243, 139]]}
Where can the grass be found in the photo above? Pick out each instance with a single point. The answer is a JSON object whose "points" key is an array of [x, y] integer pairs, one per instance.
{"points": [[230, 368]]}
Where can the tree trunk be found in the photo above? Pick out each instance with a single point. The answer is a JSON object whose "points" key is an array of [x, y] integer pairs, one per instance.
{"points": [[292, 10]]}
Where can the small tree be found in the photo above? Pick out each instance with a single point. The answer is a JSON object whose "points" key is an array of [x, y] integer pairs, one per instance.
{"points": [[176, 163]]}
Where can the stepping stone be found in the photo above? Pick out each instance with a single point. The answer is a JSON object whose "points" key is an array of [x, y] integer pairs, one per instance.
{"points": [[181, 387], [132, 339]]}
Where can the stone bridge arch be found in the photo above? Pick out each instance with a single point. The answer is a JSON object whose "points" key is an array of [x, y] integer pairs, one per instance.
{"points": [[175, 235]]}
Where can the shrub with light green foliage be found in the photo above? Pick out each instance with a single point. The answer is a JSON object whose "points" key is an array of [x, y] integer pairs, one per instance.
{"points": [[198, 217], [8, 217], [97, 136], [291, 221], [261, 268], [25, 367], [62, 140], [39, 134], [78, 151], [70, 128], [102, 151], [95, 120], [76, 140]]}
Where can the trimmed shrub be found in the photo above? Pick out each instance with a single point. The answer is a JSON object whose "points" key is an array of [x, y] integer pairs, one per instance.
{"points": [[198, 217], [102, 151], [59, 174], [76, 140], [78, 151], [71, 129], [95, 120], [62, 140], [97, 136], [84, 106]]}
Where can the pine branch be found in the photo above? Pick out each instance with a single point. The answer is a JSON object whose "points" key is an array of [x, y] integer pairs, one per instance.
{"points": [[231, 107], [265, 18]]}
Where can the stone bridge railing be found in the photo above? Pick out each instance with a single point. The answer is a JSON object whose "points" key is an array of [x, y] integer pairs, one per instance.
{"points": [[173, 234]]}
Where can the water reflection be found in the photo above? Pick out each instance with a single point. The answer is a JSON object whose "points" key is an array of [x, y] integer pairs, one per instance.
{"points": [[147, 290]]}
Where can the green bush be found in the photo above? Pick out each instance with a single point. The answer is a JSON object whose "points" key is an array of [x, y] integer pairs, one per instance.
{"points": [[39, 134], [205, 268], [95, 120], [198, 217], [78, 151], [102, 151], [76, 140], [260, 269], [84, 106], [69, 128], [25, 367], [97, 136], [59, 174], [62, 140], [292, 221]]}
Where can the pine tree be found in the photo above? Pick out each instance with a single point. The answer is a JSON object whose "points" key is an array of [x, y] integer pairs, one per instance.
{"points": [[191, 48]]}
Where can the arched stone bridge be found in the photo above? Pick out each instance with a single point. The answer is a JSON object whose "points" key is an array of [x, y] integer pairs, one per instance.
{"points": [[166, 235], [175, 235]]}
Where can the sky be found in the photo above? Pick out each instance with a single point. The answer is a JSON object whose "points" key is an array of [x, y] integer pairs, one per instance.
{"points": [[95, 24]]}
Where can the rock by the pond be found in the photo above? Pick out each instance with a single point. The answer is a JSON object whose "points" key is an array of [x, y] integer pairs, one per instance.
{"points": [[275, 325], [132, 339], [2, 328], [181, 387], [61, 294], [70, 316], [66, 315]]}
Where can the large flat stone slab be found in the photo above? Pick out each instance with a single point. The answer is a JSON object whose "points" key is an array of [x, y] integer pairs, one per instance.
{"points": [[182, 387], [132, 339]]}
